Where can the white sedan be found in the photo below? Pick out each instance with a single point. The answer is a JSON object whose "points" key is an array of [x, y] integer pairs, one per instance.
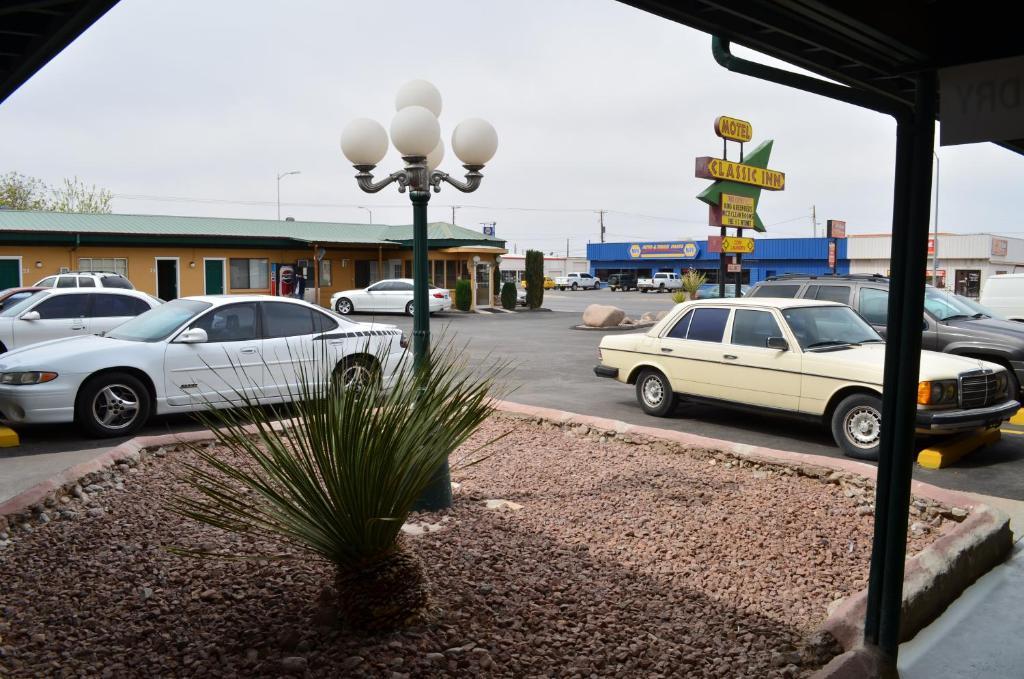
{"points": [[390, 296], [67, 312], [191, 354]]}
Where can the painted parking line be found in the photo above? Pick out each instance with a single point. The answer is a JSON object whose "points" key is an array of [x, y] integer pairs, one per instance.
{"points": [[1018, 418], [8, 437], [948, 452]]}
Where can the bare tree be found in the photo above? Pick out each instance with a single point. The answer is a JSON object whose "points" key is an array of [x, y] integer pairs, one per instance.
{"points": [[75, 196]]}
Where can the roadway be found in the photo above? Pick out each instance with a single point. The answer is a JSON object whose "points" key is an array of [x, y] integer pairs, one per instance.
{"points": [[553, 367]]}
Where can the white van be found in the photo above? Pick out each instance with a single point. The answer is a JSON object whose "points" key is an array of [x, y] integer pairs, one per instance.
{"points": [[1004, 294]]}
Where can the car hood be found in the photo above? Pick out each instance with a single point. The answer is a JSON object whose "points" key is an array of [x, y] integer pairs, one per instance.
{"points": [[992, 327], [868, 360], [67, 354]]}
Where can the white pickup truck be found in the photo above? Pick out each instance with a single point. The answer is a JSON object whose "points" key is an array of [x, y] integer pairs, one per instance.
{"points": [[661, 282], [575, 281]]}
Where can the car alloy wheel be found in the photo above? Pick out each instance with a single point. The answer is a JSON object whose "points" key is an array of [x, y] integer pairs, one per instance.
{"points": [[409, 308], [863, 426], [357, 373], [116, 406], [343, 307], [653, 391]]}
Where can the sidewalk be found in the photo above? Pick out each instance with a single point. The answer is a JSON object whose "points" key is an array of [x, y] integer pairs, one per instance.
{"points": [[18, 473], [979, 634]]}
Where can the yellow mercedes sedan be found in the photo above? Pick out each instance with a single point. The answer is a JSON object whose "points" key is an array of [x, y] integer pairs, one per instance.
{"points": [[806, 358]]}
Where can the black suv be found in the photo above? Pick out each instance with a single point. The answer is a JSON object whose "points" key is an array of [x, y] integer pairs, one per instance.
{"points": [[950, 325], [622, 281]]}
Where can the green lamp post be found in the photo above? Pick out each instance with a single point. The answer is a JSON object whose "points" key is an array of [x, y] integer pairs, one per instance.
{"points": [[416, 134]]}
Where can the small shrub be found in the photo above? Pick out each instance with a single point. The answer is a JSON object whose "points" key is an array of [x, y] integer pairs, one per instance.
{"points": [[679, 296], [508, 296], [534, 278], [692, 280], [463, 294]]}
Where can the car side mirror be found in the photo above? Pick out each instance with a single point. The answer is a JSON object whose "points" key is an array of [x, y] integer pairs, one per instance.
{"points": [[192, 336], [779, 343], [30, 316]]}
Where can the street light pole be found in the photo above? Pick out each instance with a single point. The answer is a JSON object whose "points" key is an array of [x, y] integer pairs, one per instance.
{"points": [[279, 177], [416, 133], [935, 236], [363, 207]]}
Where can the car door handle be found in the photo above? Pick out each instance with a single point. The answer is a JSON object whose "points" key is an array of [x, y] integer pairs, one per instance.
{"points": [[248, 350], [666, 350], [729, 357]]}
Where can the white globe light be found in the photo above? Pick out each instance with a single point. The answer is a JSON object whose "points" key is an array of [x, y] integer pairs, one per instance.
{"points": [[415, 131], [474, 141], [435, 157], [364, 142], [419, 93]]}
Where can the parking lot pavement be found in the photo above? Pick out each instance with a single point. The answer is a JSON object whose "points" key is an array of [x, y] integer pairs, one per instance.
{"points": [[633, 303], [553, 367]]}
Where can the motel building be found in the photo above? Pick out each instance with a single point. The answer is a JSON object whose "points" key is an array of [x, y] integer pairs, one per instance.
{"points": [[178, 256]]}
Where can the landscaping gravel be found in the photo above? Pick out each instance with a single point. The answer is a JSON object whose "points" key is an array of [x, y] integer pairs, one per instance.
{"points": [[611, 556]]}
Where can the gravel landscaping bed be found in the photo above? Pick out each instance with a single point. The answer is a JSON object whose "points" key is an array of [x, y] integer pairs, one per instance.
{"points": [[614, 556]]}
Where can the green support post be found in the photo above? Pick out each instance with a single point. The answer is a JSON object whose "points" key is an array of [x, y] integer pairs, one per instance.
{"points": [[438, 494]]}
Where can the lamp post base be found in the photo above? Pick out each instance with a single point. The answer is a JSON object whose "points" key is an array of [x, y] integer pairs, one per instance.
{"points": [[438, 493]]}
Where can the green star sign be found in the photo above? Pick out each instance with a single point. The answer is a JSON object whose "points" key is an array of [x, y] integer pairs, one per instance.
{"points": [[756, 158]]}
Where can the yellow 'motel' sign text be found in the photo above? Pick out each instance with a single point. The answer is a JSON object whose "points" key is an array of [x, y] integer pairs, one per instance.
{"points": [[716, 168], [733, 128]]}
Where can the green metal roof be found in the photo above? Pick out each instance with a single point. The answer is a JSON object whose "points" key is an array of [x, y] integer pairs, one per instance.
{"points": [[17, 221]]}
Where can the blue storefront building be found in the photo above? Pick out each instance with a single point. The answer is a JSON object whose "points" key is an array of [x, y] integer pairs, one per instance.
{"points": [[771, 257]]}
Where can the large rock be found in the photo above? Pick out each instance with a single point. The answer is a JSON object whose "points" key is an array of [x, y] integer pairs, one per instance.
{"points": [[647, 317], [602, 316]]}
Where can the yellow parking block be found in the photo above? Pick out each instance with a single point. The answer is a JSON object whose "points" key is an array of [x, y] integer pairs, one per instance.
{"points": [[1018, 418], [947, 453], [8, 437]]}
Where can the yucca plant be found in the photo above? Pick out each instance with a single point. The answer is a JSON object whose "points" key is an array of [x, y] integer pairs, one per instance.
{"points": [[691, 282], [338, 476]]}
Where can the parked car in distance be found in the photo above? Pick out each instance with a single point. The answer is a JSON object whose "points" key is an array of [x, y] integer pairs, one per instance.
{"points": [[660, 282], [51, 314], [12, 296], [549, 283], [1004, 294], [394, 295], [87, 279], [190, 354], [521, 296], [575, 281], [806, 358], [948, 326], [711, 290], [622, 281]]}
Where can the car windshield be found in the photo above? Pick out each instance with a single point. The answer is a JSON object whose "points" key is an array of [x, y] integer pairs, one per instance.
{"points": [[156, 324], [980, 310], [821, 327], [23, 304], [945, 306]]}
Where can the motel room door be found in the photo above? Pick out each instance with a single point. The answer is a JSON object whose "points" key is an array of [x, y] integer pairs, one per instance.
{"points": [[213, 270], [167, 278]]}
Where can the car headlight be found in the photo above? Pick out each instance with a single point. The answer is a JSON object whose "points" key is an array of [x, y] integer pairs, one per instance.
{"points": [[1002, 383], [32, 377], [937, 392]]}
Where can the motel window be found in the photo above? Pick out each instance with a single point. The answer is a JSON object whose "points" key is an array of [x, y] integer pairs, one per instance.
{"points": [[250, 274], [325, 273], [437, 273], [112, 264]]}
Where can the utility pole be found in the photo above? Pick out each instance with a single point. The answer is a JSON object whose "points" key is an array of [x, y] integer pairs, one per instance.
{"points": [[567, 248], [600, 216], [454, 208], [814, 220]]}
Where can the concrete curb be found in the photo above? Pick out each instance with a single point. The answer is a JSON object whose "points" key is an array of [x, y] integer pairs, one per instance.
{"points": [[933, 579], [130, 449]]}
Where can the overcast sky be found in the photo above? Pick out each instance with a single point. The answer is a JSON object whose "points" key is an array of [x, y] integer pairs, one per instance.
{"points": [[597, 106]]}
